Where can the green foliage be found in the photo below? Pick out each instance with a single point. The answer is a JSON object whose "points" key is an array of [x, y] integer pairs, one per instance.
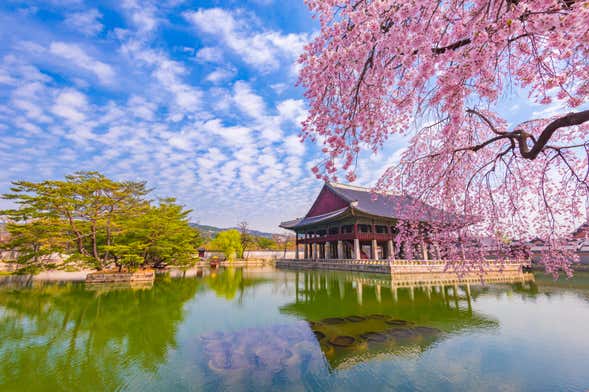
{"points": [[99, 221], [228, 242], [266, 243]]}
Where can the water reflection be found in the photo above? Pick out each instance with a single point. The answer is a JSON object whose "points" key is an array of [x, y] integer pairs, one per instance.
{"points": [[64, 333], [231, 281], [261, 329], [358, 317], [280, 352]]}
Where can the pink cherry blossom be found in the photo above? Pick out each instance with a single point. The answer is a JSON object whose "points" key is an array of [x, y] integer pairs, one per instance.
{"points": [[436, 72]]}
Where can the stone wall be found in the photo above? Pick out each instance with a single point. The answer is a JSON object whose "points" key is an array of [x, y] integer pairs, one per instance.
{"points": [[123, 277]]}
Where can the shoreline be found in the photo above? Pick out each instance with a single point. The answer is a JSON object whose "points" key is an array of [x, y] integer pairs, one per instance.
{"points": [[174, 272], [9, 276]]}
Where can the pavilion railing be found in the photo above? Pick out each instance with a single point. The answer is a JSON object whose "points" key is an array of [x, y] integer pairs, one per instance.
{"points": [[346, 237], [404, 262]]}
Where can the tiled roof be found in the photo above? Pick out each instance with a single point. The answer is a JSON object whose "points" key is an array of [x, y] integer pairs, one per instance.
{"points": [[377, 204], [385, 205], [313, 219]]}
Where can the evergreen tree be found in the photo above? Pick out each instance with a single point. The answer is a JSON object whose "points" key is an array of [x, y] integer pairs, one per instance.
{"points": [[89, 216]]}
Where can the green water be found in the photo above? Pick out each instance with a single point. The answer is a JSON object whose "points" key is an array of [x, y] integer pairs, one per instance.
{"points": [[266, 329]]}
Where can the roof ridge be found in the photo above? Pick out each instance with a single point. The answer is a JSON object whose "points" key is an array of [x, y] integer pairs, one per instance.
{"points": [[338, 185], [348, 186]]}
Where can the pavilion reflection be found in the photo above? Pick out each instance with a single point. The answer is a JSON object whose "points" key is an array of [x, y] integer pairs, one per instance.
{"points": [[357, 317]]}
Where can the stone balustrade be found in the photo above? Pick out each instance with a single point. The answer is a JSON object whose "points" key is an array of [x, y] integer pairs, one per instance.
{"points": [[396, 266]]}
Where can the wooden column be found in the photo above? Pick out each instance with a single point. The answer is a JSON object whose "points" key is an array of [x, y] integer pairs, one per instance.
{"points": [[327, 250], [357, 249], [424, 250], [297, 246], [390, 250], [374, 249]]}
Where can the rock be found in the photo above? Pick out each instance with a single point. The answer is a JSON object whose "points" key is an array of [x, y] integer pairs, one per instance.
{"points": [[397, 322], [342, 341], [376, 337], [427, 331], [319, 335], [355, 319], [333, 320]]}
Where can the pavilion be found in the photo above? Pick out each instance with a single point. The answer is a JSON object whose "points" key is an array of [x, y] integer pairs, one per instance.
{"points": [[351, 222]]}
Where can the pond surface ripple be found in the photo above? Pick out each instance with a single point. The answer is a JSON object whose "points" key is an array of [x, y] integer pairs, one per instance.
{"points": [[261, 329]]}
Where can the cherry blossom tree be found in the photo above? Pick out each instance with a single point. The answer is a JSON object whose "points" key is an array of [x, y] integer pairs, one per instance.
{"points": [[440, 74]]}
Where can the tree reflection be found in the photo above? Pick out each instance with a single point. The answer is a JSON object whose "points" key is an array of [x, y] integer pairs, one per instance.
{"points": [[57, 336], [228, 282]]}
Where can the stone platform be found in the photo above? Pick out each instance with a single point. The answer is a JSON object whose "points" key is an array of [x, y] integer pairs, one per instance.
{"points": [[394, 266], [120, 277]]}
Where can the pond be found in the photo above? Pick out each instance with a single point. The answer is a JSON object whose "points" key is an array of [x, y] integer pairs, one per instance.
{"points": [[259, 329]]}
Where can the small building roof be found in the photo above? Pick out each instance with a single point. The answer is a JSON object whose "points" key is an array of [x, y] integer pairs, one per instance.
{"points": [[364, 200]]}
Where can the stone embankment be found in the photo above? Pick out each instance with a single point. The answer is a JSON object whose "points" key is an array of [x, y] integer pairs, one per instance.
{"points": [[120, 277], [394, 266]]}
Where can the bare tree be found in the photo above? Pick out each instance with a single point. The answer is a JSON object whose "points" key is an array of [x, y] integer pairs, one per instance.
{"points": [[247, 239]]}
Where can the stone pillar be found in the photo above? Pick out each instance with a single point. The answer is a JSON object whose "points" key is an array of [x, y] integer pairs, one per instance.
{"points": [[356, 249], [374, 250], [424, 250], [340, 250], [390, 250], [328, 250]]}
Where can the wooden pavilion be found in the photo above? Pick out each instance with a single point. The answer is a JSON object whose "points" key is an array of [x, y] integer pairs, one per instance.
{"points": [[351, 222]]}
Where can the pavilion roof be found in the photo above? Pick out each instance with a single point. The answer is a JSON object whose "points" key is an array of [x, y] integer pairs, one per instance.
{"points": [[365, 201], [313, 219]]}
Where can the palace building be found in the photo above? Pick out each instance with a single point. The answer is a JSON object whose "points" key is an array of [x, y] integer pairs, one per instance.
{"points": [[350, 222]]}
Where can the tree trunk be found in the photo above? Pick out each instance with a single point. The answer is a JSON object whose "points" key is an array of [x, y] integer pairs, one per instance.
{"points": [[79, 239], [94, 245]]}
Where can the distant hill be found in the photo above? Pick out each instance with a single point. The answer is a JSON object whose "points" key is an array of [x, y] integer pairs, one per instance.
{"points": [[210, 231]]}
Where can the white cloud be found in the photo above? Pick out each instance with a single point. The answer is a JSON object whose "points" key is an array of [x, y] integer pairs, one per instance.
{"points": [[247, 101], [79, 58], [294, 145], [181, 141], [292, 110], [71, 105], [233, 135], [142, 14], [262, 49], [142, 108], [209, 54], [86, 22], [221, 74], [169, 74], [279, 88]]}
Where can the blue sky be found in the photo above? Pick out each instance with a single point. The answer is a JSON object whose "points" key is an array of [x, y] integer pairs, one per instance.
{"points": [[197, 98]]}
